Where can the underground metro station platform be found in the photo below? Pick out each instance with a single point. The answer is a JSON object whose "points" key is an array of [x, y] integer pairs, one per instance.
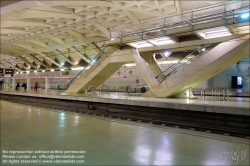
{"points": [[124, 83]]}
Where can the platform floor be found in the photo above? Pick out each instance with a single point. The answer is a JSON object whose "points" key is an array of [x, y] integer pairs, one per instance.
{"points": [[235, 105], [114, 142]]}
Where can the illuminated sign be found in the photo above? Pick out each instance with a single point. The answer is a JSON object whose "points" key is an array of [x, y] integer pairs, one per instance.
{"points": [[9, 71]]}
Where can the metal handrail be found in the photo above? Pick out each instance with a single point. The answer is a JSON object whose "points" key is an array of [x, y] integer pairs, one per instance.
{"points": [[182, 63], [83, 70], [219, 15], [178, 63], [90, 89], [105, 86], [218, 93], [111, 88]]}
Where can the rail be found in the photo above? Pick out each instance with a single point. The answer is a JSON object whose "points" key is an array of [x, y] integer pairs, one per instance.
{"points": [[217, 93], [199, 51], [190, 18], [83, 70], [111, 87], [107, 88], [90, 89]]}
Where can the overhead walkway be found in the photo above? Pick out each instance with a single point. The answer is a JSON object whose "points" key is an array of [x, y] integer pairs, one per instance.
{"points": [[190, 72], [192, 21]]}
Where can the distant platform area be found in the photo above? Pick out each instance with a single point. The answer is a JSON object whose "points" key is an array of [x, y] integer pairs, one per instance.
{"points": [[234, 105]]}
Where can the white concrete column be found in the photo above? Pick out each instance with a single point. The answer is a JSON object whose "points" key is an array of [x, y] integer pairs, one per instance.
{"points": [[28, 83], [13, 84], [46, 83]]}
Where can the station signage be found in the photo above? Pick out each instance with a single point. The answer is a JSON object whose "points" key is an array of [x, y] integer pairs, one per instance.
{"points": [[9, 71]]}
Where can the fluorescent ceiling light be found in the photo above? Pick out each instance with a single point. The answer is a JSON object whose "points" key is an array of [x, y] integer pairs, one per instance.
{"points": [[246, 15], [62, 69], [28, 71], [219, 35], [217, 32], [52, 70], [140, 44], [166, 54], [130, 64], [77, 68], [167, 62], [76, 62], [162, 41], [35, 71]]}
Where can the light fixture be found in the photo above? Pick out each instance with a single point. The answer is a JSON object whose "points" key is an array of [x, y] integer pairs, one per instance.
{"points": [[27, 71], [246, 15], [61, 63], [203, 49], [62, 69], [167, 62], [93, 61], [28, 67], [43, 71], [77, 68], [166, 54], [161, 41], [76, 62], [35, 71], [130, 64], [52, 70], [140, 44], [38, 66], [216, 32]]}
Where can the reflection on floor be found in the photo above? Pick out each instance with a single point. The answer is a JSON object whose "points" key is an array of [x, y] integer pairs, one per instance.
{"points": [[110, 142]]}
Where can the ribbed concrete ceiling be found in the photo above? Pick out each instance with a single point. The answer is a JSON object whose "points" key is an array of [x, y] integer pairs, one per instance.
{"points": [[32, 30]]}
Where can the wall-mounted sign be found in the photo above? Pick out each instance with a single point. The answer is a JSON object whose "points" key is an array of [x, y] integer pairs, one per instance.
{"points": [[9, 71]]}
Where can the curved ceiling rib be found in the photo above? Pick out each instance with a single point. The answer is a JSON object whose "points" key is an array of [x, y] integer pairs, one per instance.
{"points": [[41, 25]]}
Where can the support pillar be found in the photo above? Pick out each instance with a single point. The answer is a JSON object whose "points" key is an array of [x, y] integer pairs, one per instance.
{"points": [[28, 83], [13, 86], [46, 83]]}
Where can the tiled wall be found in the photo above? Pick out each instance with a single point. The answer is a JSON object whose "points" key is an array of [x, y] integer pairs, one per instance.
{"points": [[224, 79]]}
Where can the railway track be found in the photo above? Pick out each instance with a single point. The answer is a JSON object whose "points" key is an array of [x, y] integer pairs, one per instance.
{"points": [[137, 118]]}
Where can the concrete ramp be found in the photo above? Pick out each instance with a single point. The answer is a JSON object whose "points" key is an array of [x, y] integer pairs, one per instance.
{"points": [[208, 65]]}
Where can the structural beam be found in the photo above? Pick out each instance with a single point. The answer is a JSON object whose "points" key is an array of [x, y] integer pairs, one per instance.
{"points": [[11, 65], [37, 52]]}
